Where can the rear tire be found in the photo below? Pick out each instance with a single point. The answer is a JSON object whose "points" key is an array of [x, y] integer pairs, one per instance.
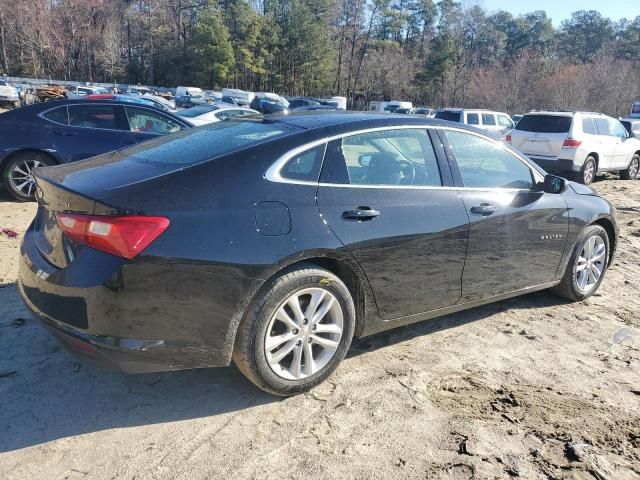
{"points": [[18, 176], [581, 261], [588, 172], [631, 173], [315, 346]]}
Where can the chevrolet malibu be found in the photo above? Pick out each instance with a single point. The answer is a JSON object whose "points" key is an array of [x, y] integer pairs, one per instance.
{"points": [[272, 243]]}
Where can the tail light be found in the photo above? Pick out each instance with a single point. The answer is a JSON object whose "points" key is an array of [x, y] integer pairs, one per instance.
{"points": [[571, 143], [508, 138], [121, 236]]}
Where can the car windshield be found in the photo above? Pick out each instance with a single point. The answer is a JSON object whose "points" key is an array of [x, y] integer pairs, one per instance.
{"points": [[196, 145], [3, 83], [197, 111], [544, 123], [449, 116]]}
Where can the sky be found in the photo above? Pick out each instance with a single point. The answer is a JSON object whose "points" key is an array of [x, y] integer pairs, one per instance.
{"points": [[558, 10]]}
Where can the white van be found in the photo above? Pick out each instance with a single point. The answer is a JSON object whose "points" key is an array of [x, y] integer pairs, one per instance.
{"points": [[494, 123], [189, 92]]}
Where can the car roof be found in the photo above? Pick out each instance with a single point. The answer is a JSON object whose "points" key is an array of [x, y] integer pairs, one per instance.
{"points": [[312, 120], [561, 113]]}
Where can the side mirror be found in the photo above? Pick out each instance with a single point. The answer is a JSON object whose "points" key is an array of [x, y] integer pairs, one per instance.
{"points": [[553, 184]]}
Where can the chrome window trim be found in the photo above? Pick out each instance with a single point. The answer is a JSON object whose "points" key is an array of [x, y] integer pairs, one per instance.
{"points": [[273, 172]]}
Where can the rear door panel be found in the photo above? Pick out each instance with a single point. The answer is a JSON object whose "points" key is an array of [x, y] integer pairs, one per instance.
{"points": [[413, 252]]}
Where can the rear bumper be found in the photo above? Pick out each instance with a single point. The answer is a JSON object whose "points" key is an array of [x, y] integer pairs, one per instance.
{"points": [[135, 316], [559, 165]]}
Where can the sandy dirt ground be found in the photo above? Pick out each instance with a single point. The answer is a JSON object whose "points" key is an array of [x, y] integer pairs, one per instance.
{"points": [[531, 387]]}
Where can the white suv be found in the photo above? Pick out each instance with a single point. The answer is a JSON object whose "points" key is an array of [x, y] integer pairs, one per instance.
{"points": [[495, 123], [580, 143]]}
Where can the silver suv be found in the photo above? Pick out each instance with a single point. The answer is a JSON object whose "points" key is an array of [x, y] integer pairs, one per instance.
{"points": [[578, 143], [495, 123]]}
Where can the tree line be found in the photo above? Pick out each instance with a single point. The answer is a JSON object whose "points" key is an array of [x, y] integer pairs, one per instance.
{"points": [[435, 53]]}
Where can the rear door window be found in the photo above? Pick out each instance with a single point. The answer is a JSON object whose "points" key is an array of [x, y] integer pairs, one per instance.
{"points": [[391, 157], [473, 119], [588, 126], [544, 124], [488, 119], [604, 127], [109, 117]]}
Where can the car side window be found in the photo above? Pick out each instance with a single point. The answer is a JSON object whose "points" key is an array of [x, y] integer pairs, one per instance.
{"points": [[147, 121], [488, 119], [304, 166], [505, 122], [588, 126], [94, 116], [603, 126], [391, 157], [473, 119], [617, 129], [58, 115], [485, 164]]}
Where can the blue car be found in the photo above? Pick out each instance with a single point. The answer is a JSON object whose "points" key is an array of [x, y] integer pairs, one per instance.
{"points": [[65, 131]]}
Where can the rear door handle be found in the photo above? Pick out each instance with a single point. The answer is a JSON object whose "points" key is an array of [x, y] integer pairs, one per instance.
{"points": [[483, 209], [361, 213]]}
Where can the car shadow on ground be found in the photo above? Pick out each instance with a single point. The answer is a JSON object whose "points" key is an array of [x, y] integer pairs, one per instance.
{"points": [[5, 197], [530, 302], [48, 394]]}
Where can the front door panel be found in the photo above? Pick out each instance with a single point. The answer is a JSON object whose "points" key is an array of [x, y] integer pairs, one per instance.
{"points": [[516, 239]]}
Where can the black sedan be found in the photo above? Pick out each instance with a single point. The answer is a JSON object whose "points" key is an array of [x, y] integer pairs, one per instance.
{"points": [[68, 130], [271, 243]]}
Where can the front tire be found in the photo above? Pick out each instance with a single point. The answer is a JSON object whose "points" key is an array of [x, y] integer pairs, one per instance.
{"points": [[588, 173], [296, 332], [18, 174], [631, 173], [587, 266]]}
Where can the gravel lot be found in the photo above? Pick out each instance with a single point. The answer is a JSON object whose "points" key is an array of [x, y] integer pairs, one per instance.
{"points": [[530, 387]]}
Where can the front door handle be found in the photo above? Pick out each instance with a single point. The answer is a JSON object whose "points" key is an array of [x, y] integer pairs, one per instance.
{"points": [[483, 209], [361, 213]]}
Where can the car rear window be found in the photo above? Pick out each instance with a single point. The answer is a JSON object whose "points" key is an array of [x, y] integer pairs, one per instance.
{"points": [[544, 123], [449, 116], [195, 145]]}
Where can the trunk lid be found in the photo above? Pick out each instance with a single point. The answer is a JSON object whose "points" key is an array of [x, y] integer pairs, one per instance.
{"points": [[85, 187]]}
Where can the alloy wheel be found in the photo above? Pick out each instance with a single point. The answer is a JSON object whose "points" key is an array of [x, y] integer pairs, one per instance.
{"points": [[634, 168], [21, 176], [304, 333], [589, 172], [591, 263]]}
